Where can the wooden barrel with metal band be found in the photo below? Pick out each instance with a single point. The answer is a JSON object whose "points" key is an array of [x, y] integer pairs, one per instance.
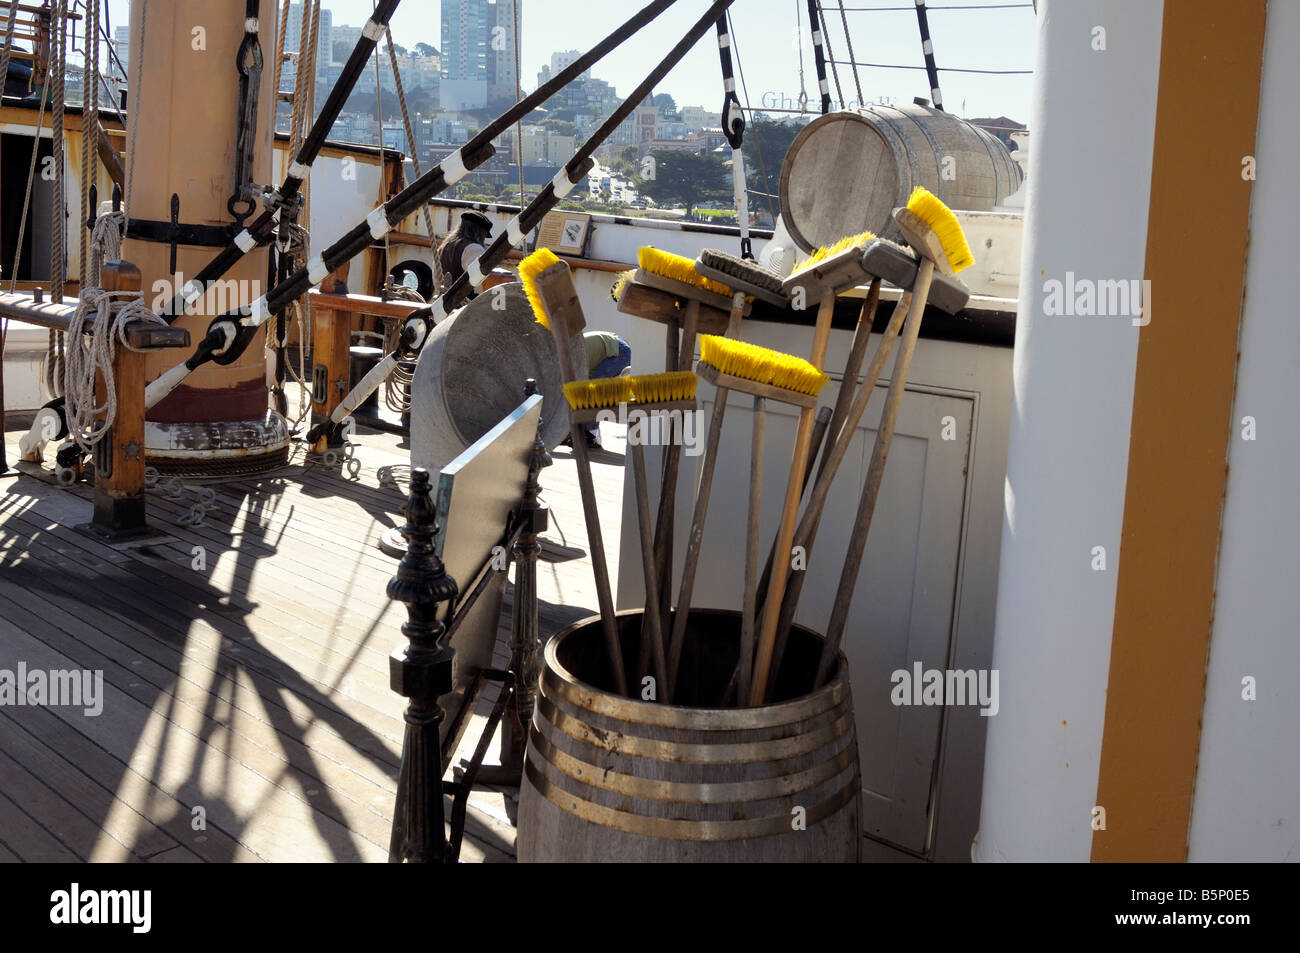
{"points": [[613, 778]]}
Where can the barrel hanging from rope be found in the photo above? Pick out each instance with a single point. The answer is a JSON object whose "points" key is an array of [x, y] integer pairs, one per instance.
{"points": [[927, 47], [819, 56], [248, 63], [733, 127]]}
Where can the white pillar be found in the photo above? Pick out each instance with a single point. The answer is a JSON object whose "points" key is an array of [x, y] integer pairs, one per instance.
{"points": [[1093, 121]]}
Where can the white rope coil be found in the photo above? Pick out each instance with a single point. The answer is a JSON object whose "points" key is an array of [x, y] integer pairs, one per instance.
{"points": [[92, 354]]}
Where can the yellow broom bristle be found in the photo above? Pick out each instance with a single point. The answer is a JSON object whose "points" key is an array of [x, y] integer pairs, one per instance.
{"points": [[529, 269], [616, 290], [658, 388], [751, 362], [678, 268], [826, 251], [947, 229], [602, 392]]}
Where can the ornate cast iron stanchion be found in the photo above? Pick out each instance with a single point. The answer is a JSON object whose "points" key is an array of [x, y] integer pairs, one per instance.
{"points": [[421, 671]]}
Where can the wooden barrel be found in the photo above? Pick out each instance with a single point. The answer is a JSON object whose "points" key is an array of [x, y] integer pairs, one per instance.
{"points": [[608, 778], [847, 171]]}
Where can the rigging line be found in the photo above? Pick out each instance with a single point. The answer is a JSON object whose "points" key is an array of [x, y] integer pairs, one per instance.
{"points": [[830, 54], [410, 130], [979, 6], [798, 39], [848, 41], [519, 94], [58, 263], [951, 69], [134, 126], [927, 50], [379, 116], [27, 198], [89, 156], [740, 69]]}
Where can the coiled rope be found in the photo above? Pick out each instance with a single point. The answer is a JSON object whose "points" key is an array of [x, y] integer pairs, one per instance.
{"points": [[89, 355], [397, 388]]}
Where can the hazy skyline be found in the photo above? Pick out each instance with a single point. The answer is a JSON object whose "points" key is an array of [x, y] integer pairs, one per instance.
{"points": [[764, 32]]}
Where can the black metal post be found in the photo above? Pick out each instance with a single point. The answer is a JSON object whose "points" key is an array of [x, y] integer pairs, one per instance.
{"points": [[421, 671]]}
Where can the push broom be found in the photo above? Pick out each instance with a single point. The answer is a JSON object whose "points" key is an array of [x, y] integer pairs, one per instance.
{"points": [[934, 233], [764, 374], [838, 269], [642, 396], [667, 288], [548, 284], [899, 267]]}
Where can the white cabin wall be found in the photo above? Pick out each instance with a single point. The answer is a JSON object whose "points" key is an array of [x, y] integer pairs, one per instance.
{"points": [[1247, 788], [1088, 193]]}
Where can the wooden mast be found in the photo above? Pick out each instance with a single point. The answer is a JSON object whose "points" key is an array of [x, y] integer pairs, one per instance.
{"points": [[182, 119]]}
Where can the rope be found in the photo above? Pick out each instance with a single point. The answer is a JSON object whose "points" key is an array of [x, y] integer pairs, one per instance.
{"points": [[379, 118], [848, 41], [803, 91], [410, 132], [927, 48], [758, 148], [733, 127], [137, 63], [819, 58], [89, 117], [56, 358], [93, 354], [27, 198], [397, 386], [279, 55], [830, 56]]}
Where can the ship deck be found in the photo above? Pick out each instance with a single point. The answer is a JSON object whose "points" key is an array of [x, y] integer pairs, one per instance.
{"points": [[246, 708]]}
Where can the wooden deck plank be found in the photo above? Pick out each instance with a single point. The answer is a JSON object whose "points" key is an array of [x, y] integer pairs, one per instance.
{"points": [[257, 688], [124, 831]]}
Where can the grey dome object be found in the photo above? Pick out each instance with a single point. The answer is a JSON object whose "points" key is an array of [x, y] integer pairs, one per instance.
{"points": [[471, 374]]}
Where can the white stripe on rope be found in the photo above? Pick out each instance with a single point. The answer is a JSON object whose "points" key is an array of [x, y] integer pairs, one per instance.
{"points": [[372, 30], [825, 88], [192, 292], [299, 171], [317, 270], [817, 37], [724, 40], [453, 168], [245, 241], [927, 48], [938, 97], [729, 84], [514, 232], [439, 311], [378, 222], [250, 25]]}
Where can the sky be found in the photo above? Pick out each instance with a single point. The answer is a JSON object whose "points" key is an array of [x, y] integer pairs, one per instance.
{"points": [[764, 33]]}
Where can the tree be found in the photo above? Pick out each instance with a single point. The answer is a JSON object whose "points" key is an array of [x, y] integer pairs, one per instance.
{"points": [[425, 49], [399, 50], [666, 105], [683, 179], [558, 127], [771, 140], [342, 50]]}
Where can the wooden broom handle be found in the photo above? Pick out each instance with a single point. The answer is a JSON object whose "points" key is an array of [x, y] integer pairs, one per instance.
{"points": [[875, 473], [793, 493]]}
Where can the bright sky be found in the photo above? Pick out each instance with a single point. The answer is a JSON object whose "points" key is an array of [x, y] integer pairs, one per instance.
{"points": [[764, 35]]}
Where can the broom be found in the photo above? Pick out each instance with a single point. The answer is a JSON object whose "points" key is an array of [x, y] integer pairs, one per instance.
{"points": [[932, 230]]}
